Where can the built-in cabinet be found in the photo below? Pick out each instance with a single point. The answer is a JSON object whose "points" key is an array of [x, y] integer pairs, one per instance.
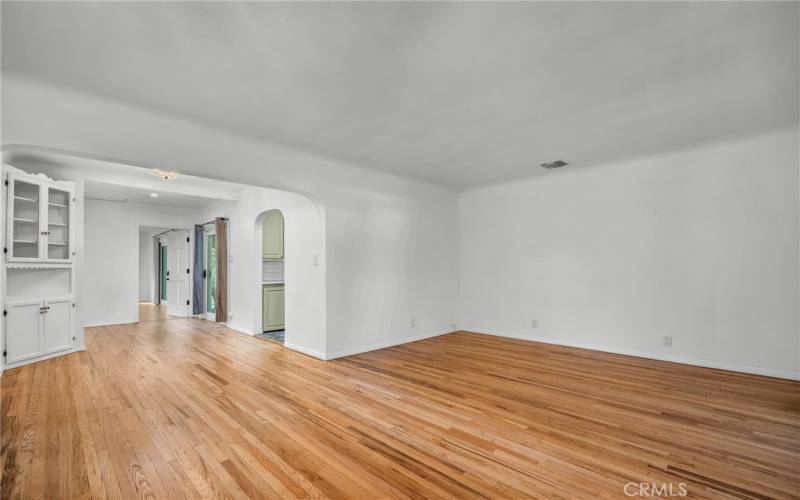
{"points": [[38, 285], [37, 328], [272, 235], [272, 307], [39, 217]]}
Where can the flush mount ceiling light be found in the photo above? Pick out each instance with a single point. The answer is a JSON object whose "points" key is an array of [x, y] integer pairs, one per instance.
{"points": [[554, 164], [166, 175], [153, 195]]}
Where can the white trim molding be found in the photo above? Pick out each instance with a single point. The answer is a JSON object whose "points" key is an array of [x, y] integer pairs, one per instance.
{"points": [[718, 365], [382, 345], [305, 350], [239, 329]]}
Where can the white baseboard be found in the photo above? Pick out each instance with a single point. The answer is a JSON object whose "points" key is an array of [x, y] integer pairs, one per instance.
{"points": [[238, 329], [719, 365], [305, 350], [40, 358], [95, 325], [383, 345]]}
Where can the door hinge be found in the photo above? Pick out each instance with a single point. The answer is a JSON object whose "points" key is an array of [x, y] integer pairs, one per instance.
{"points": [[187, 239], [5, 353], [188, 272], [5, 249], [5, 312], [187, 302], [6, 182], [73, 304], [205, 274]]}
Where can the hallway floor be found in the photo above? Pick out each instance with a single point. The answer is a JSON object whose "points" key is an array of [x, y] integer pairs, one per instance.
{"points": [[153, 312]]}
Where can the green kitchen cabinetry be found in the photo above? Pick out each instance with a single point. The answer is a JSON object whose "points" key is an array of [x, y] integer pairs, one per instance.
{"points": [[272, 240], [272, 307]]}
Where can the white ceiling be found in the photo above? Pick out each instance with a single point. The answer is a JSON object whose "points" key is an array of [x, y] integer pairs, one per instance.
{"points": [[463, 94], [131, 194]]}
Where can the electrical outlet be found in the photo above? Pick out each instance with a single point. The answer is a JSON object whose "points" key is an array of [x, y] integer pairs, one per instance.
{"points": [[413, 323], [667, 341], [534, 323]]}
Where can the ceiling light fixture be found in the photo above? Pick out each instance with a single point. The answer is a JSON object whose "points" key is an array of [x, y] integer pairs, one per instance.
{"points": [[165, 174], [554, 164], [153, 195]]}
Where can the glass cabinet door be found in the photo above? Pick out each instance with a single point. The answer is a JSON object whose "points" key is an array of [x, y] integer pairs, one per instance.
{"points": [[57, 232], [25, 211]]}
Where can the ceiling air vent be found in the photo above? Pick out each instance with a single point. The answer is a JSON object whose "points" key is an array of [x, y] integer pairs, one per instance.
{"points": [[554, 164]]}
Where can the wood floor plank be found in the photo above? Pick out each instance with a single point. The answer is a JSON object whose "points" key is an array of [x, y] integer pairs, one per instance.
{"points": [[185, 408]]}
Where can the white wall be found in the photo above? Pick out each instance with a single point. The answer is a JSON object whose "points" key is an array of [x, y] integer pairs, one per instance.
{"points": [[110, 281], [700, 245], [146, 266], [305, 309], [391, 244]]}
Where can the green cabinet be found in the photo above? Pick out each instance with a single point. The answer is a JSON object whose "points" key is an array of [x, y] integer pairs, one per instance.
{"points": [[272, 307], [272, 239]]}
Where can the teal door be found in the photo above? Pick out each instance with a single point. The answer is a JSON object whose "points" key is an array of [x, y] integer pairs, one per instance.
{"points": [[162, 249]]}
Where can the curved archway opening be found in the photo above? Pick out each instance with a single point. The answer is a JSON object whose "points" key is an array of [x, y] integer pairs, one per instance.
{"points": [[287, 275]]}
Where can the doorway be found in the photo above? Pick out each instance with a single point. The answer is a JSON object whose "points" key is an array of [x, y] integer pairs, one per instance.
{"points": [[273, 285], [164, 273], [155, 270]]}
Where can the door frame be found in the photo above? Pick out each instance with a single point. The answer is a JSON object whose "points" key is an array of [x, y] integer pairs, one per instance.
{"points": [[207, 231], [163, 272]]}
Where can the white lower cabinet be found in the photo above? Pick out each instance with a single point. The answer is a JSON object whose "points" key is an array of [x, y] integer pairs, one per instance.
{"points": [[37, 328], [23, 330], [57, 327]]}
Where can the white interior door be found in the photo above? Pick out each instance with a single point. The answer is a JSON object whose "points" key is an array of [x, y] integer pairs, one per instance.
{"points": [[57, 326], [23, 330], [178, 303]]}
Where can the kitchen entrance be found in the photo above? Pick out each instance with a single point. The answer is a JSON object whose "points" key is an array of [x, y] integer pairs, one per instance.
{"points": [[272, 276]]}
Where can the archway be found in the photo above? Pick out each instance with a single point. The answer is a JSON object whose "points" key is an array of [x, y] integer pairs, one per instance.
{"points": [[303, 266]]}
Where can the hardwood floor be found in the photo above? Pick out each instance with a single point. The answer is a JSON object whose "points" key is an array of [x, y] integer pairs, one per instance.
{"points": [[152, 312], [189, 409]]}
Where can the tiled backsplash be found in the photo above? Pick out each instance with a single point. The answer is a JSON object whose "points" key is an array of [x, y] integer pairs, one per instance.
{"points": [[272, 270]]}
